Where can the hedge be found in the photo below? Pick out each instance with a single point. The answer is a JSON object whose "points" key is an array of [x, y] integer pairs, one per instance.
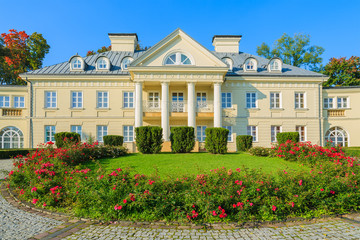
{"points": [[216, 140], [148, 139], [64, 138], [244, 142], [283, 137], [113, 140], [13, 152], [182, 139]]}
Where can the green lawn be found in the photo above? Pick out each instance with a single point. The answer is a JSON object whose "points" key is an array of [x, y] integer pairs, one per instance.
{"points": [[177, 165], [352, 151]]}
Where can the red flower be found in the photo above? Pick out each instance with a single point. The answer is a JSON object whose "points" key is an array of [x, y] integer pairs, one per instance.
{"points": [[117, 207], [125, 201], [274, 208], [300, 182], [34, 201], [34, 189], [322, 189], [332, 192]]}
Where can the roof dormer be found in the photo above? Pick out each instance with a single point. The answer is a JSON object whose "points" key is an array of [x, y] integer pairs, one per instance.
{"points": [[275, 65], [250, 65], [77, 63], [102, 63]]}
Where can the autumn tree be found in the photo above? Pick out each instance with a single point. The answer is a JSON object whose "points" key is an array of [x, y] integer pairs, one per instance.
{"points": [[106, 49], [20, 53], [295, 51], [343, 72]]}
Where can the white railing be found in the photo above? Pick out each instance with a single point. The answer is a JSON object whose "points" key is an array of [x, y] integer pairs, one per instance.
{"points": [[205, 106], [151, 106], [178, 106]]}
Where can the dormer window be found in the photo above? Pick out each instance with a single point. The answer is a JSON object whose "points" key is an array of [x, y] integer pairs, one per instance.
{"points": [[250, 65], [102, 63], [125, 63], [228, 62], [178, 59], [77, 63], [275, 65]]}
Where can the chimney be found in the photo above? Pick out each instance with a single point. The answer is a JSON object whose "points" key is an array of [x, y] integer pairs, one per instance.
{"points": [[123, 41], [226, 43]]}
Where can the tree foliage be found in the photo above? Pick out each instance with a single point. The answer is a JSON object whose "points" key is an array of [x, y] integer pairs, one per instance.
{"points": [[19, 53], [343, 72], [106, 49], [295, 51]]}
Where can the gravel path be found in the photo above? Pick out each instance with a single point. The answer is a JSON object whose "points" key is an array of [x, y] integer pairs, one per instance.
{"points": [[17, 224], [5, 167]]}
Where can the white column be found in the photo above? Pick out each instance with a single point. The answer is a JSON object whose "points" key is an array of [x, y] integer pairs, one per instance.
{"points": [[138, 104], [191, 105], [165, 110], [217, 104]]}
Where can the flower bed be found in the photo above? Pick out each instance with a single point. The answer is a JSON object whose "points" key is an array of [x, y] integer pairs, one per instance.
{"points": [[49, 178]]}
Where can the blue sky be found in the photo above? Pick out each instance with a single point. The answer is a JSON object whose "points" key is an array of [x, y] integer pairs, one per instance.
{"points": [[78, 26]]}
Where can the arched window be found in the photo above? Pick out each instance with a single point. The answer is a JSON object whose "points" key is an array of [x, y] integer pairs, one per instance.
{"points": [[76, 64], [250, 65], [11, 137], [337, 136], [102, 64], [275, 64], [178, 59], [229, 62], [126, 62]]}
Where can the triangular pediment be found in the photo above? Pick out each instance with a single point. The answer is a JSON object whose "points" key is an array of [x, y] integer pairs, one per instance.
{"points": [[178, 41]]}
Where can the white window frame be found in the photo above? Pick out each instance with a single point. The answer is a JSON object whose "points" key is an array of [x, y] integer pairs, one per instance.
{"points": [[297, 104], [250, 131], [251, 99], [19, 101], [152, 102], [128, 132], [101, 131], [126, 99], [51, 103], [273, 98], [178, 60], [78, 104], [4, 101], [200, 135], [327, 103], [297, 128], [100, 99], [124, 64], [76, 129], [51, 129], [200, 103], [340, 105], [275, 129], [230, 136], [227, 103]]}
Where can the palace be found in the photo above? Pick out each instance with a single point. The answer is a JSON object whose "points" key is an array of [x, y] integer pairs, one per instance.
{"points": [[177, 82]]}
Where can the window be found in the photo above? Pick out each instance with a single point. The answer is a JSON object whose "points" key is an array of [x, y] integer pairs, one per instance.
{"points": [[328, 103], [337, 136], [178, 59], [299, 100], [226, 101], [230, 139], [126, 62], [250, 65], [251, 100], [19, 102], [154, 100], [49, 133], [76, 100], [201, 100], [4, 101], [76, 129], [200, 132], [11, 137], [76, 63], [229, 62], [275, 65], [128, 99], [128, 133], [342, 102], [50, 99], [274, 131], [177, 102], [252, 131], [302, 133], [275, 100], [101, 132], [102, 64], [102, 99]]}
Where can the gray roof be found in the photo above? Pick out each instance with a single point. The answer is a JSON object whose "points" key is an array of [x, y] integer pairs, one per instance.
{"points": [[116, 58]]}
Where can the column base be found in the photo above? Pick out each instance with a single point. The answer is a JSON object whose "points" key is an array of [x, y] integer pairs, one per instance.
{"points": [[166, 146]]}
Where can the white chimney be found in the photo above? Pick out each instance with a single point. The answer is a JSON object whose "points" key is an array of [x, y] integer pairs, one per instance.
{"points": [[226, 43], [123, 41]]}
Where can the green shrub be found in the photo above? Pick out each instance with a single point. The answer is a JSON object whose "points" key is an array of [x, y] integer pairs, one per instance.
{"points": [[216, 140], [9, 153], [113, 140], [285, 136], [182, 139], [148, 139], [63, 139], [259, 151], [244, 142]]}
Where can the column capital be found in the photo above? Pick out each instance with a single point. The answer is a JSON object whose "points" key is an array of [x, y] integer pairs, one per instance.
{"points": [[165, 82], [217, 83], [138, 81]]}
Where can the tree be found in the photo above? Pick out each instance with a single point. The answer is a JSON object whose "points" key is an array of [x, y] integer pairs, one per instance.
{"points": [[20, 53], [343, 72], [295, 51], [106, 49]]}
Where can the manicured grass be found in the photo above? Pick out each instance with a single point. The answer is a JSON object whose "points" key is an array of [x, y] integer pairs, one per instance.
{"points": [[352, 151], [178, 165]]}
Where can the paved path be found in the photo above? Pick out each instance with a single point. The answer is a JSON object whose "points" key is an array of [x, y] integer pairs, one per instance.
{"points": [[5, 167]]}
